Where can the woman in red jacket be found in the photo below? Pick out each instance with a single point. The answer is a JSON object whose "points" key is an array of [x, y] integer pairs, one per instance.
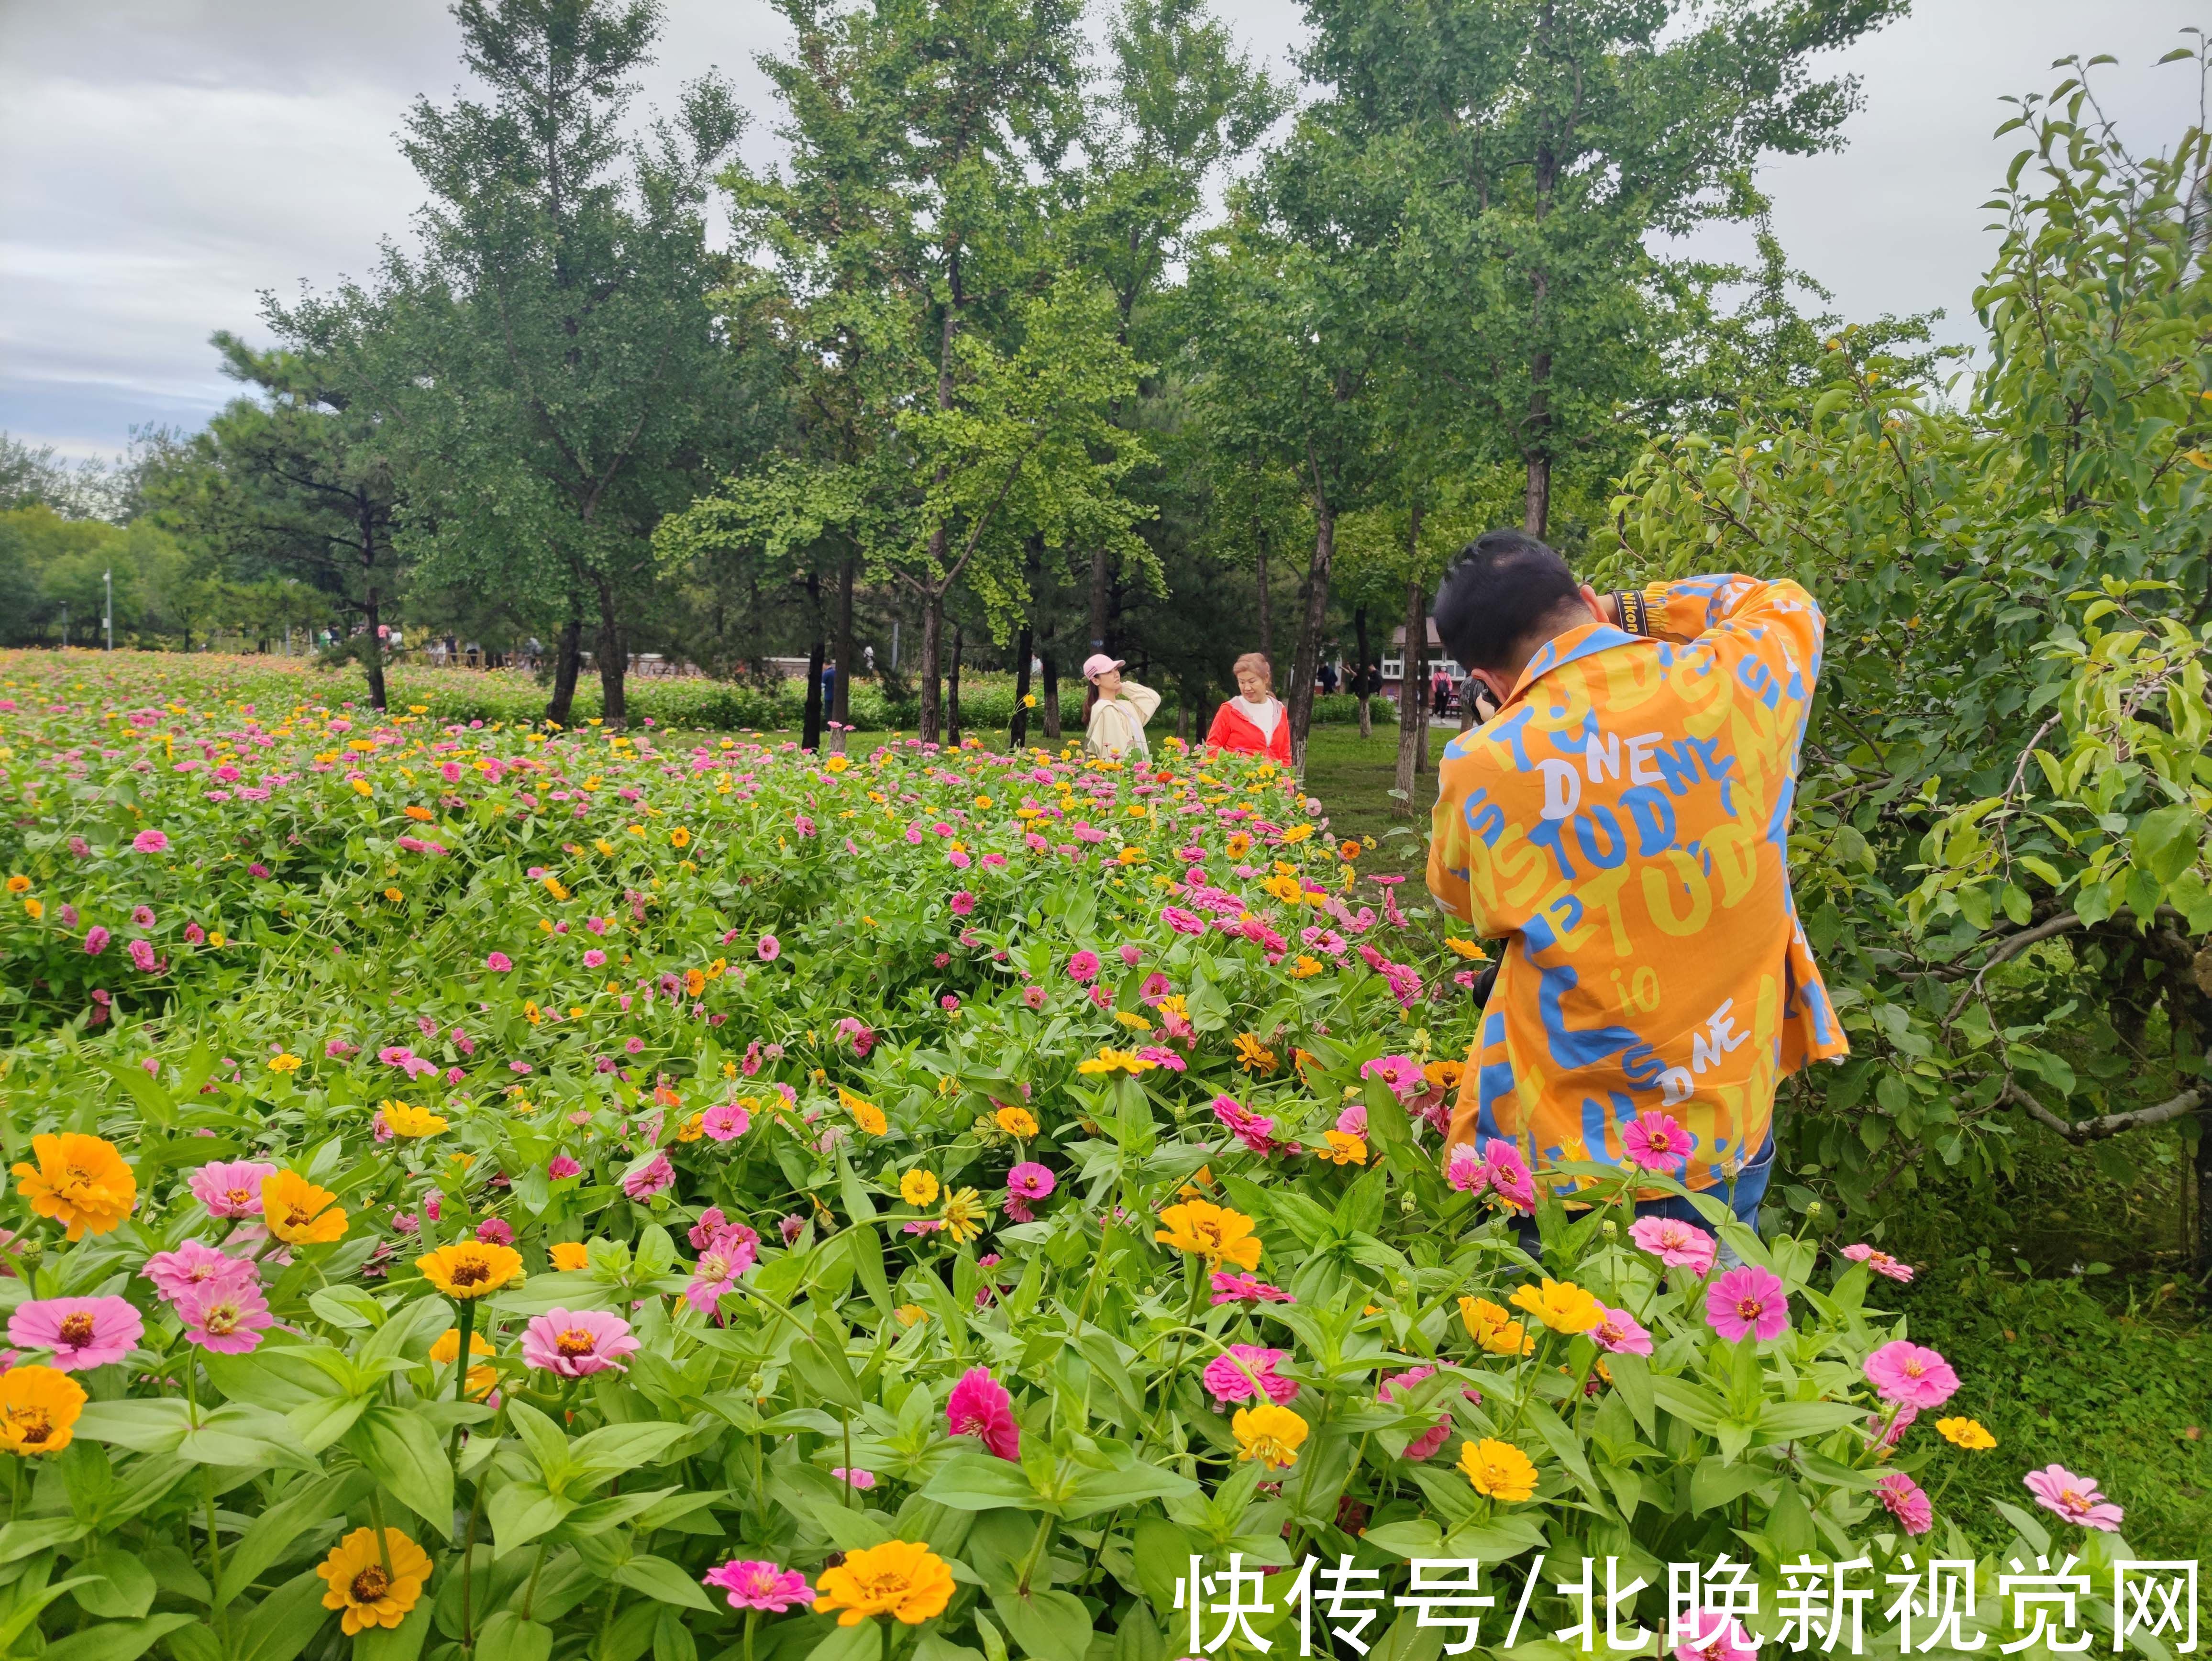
{"points": [[1256, 721]]}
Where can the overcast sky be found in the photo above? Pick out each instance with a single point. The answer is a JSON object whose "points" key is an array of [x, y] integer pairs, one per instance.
{"points": [[163, 161]]}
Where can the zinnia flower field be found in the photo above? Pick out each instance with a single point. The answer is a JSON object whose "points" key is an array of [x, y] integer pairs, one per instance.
{"points": [[495, 1191]]}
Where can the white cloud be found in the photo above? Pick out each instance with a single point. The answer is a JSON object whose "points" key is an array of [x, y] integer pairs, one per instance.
{"points": [[164, 161]]}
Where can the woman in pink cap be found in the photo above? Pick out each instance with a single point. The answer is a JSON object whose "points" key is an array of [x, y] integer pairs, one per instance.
{"points": [[1115, 711]]}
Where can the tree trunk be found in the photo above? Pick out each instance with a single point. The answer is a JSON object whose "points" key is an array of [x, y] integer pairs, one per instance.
{"points": [[932, 639], [1359, 670], [373, 663], [1050, 702], [1538, 502], [1099, 599], [810, 731], [614, 664], [1018, 732], [1413, 702], [1316, 609], [566, 661], [952, 703], [1266, 616], [840, 709]]}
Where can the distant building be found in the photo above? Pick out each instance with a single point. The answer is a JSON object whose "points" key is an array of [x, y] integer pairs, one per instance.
{"points": [[1393, 663]]}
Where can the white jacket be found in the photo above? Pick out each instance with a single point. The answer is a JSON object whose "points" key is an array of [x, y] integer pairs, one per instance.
{"points": [[1117, 724]]}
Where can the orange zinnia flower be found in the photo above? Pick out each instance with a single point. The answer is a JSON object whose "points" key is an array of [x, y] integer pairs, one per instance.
{"points": [[900, 1578], [79, 1180], [570, 1254], [38, 1405], [471, 1269], [299, 1212]]}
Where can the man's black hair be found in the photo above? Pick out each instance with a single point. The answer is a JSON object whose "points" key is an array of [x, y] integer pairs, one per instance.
{"points": [[1504, 587]]}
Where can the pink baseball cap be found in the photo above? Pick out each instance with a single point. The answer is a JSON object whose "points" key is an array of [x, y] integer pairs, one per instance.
{"points": [[1098, 663]]}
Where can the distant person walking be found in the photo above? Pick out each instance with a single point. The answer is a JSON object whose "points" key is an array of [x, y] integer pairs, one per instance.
{"points": [[1440, 690], [1115, 711], [1254, 720]]}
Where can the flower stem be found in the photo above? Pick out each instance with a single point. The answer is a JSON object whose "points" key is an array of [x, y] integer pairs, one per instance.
{"points": [[461, 1368], [1037, 1551], [376, 1521]]}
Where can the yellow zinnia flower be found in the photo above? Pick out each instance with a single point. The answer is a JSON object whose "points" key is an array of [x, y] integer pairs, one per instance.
{"points": [[299, 1212], [1561, 1306], [569, 1255], [1269, 1433], [1493, 1328], [965, 1214], [409, 1122], [1305, 968], [1965, 1433], [1343, 1148], [471, 1269], [866, 1114], [38, 1405], [1115, 1060], [918, 1188], [1017, 1122], [360, 1584], [902, 1579], [1498, 1470], [1253, 1056], [448, 1349], [284, 1063], [80, 1181], [1212, 1232]]}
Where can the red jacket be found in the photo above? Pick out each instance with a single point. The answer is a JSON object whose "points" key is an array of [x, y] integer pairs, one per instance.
{"points": [[1233, 729]]}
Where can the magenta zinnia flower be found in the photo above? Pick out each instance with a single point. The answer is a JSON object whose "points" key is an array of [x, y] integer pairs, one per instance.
{"points": [[227, 1318], [1230, 1288], [499, 963], [1676, 1244], [573, 1343], [1905, 1502], [1656, 1142], [1464, 1170], [95, 941], [1256, 1130], [980, 1406], [1747, 1301], [1711, 1635], [1619, 1332], [1030, 1180], [726, 1122], [854, 1478], [197, 1267], [2074, 1497], [150, 841], [231, 1188], [1509, 1174], [562, 1167], [770, 948], [1083, 967], [753, 1584], [962, 903], [1904, 1372], [82, 1332], [1246, 1371]]}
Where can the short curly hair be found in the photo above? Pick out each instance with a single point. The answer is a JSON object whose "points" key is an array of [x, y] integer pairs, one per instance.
{"points": [[1256, 660]]}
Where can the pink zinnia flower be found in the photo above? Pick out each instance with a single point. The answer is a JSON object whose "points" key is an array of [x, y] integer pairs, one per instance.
{"points": [[1879, 1261], [594, 958], [195, 1266], [1618, 1332], [150, 841], [1904, 1372], [231, 1188], [712, 1221], [228, 1318], [1710, 1636], [1255, 1130], [563, 1168], [962, 903], [861, 1480], [142, 956], [1083, 967], [1424, 1446], [1676, 1244], [1353, 1122], [1246, 1371], [1033, 997], [726, 1122], [753, 1584], [82, 1332], [727, 1256], [95, 941], [1132, 954], [1905, 1502], [1182, 922], [1465, 1170], [1030, 1180], [980, 1406], [1402, 1074], [499, 963], [1747, 1301], [858, 1033], [655, 1176], [496, 1230], [770, 948], [2057, 1488], [1230, 1288], [142, 915], [1509, 1175], [1656, 1142], [573, 1343]]}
